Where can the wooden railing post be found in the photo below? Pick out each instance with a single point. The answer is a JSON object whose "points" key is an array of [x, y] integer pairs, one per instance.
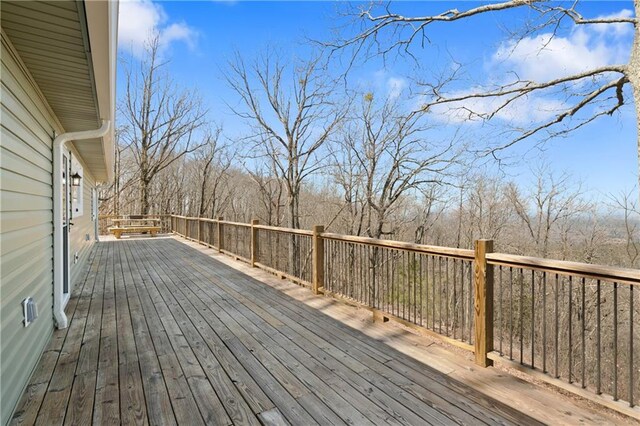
{"points": [[199, 226], [220, 235], [318, 259], [255, 248], [483, 303]]}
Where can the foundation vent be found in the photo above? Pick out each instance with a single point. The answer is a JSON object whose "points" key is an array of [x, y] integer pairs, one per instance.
{"points": [[30, 310]]}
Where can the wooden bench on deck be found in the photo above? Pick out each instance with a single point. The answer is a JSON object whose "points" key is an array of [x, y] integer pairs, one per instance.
{"points": [[134, 229]]}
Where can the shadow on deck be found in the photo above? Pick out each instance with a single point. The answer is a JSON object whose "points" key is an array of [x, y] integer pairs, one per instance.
{"points": [[163, 333]]}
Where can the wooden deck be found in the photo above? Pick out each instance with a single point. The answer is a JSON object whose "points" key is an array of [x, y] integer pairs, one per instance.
{"points": [[162, 333]]}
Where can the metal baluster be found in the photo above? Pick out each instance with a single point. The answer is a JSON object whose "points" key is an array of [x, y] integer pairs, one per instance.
{"points": [[570, 328], [584, 341], [598, 337], [392, 266], [351, 273], [340, 279], [470, 303], [544, 322], [415, 287], [511, 313], [615, 341], [500, 309], [631, 382], [440, 294], [364, 273], [462, 310], [389, 304], [399, 281], [342, 285], [364, 291], [446, 295], [369, 270], [400, 284], [421, 258], [521, 280], [358, 270], [375, 296], [455, 297], [433, 291], [428, 260], [557, 375], [407, 298], [406, 292], [356, 256], [327, 265], [533, 317], [406, 310]]}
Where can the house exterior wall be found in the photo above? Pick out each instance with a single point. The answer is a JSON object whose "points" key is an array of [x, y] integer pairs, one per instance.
{"points": [[26, 228]]}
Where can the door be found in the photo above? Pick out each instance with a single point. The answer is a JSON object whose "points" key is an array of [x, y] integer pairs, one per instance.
{"points": [[66, 221]]}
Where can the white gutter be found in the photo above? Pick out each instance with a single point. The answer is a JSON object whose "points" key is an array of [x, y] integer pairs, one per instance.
{"points": [[59, 299]]}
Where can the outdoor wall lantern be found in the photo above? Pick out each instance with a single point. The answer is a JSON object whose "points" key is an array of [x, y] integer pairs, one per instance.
{"points": [[75, 179]]}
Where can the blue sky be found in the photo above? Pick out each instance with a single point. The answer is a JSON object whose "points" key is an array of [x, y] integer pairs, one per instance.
{"points": [[199, 38]]}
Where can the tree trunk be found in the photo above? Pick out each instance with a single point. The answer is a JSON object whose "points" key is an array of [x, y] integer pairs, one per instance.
{"points": [[202, 207], [633, 72], [294, 222], [144, 196], [116, 196]]}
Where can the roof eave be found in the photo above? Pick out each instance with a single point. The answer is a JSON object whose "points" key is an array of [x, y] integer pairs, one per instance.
{"points": [[102, 26]]}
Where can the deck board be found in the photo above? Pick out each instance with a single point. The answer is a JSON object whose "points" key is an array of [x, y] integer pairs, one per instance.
{"points": [[161, 333]]}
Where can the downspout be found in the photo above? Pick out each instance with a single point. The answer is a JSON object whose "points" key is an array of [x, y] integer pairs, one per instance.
{"points": [[59, 300]]}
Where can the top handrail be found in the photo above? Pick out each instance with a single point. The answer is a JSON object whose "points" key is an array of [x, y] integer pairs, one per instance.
{"points": [[284, 230], [113, 216], [586, 270], [419, 248]]}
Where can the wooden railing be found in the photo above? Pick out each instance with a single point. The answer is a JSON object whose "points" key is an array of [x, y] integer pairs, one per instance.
{"points": [[106, 221], [572, 324]]}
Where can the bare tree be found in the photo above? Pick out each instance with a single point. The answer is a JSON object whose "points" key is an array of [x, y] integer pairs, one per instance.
{"points": [[383, 31], [631, 219], [348, 175], [486, 208], [160, 118], [388, 155], [429, 212], [292, 114], [270, 190], [211, 163], [551, 202]]}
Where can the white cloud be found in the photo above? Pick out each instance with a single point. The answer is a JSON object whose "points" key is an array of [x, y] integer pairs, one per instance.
{"points": [[619, 29], [523, 111], [140, 20], [547, 56], [540, 58]]}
